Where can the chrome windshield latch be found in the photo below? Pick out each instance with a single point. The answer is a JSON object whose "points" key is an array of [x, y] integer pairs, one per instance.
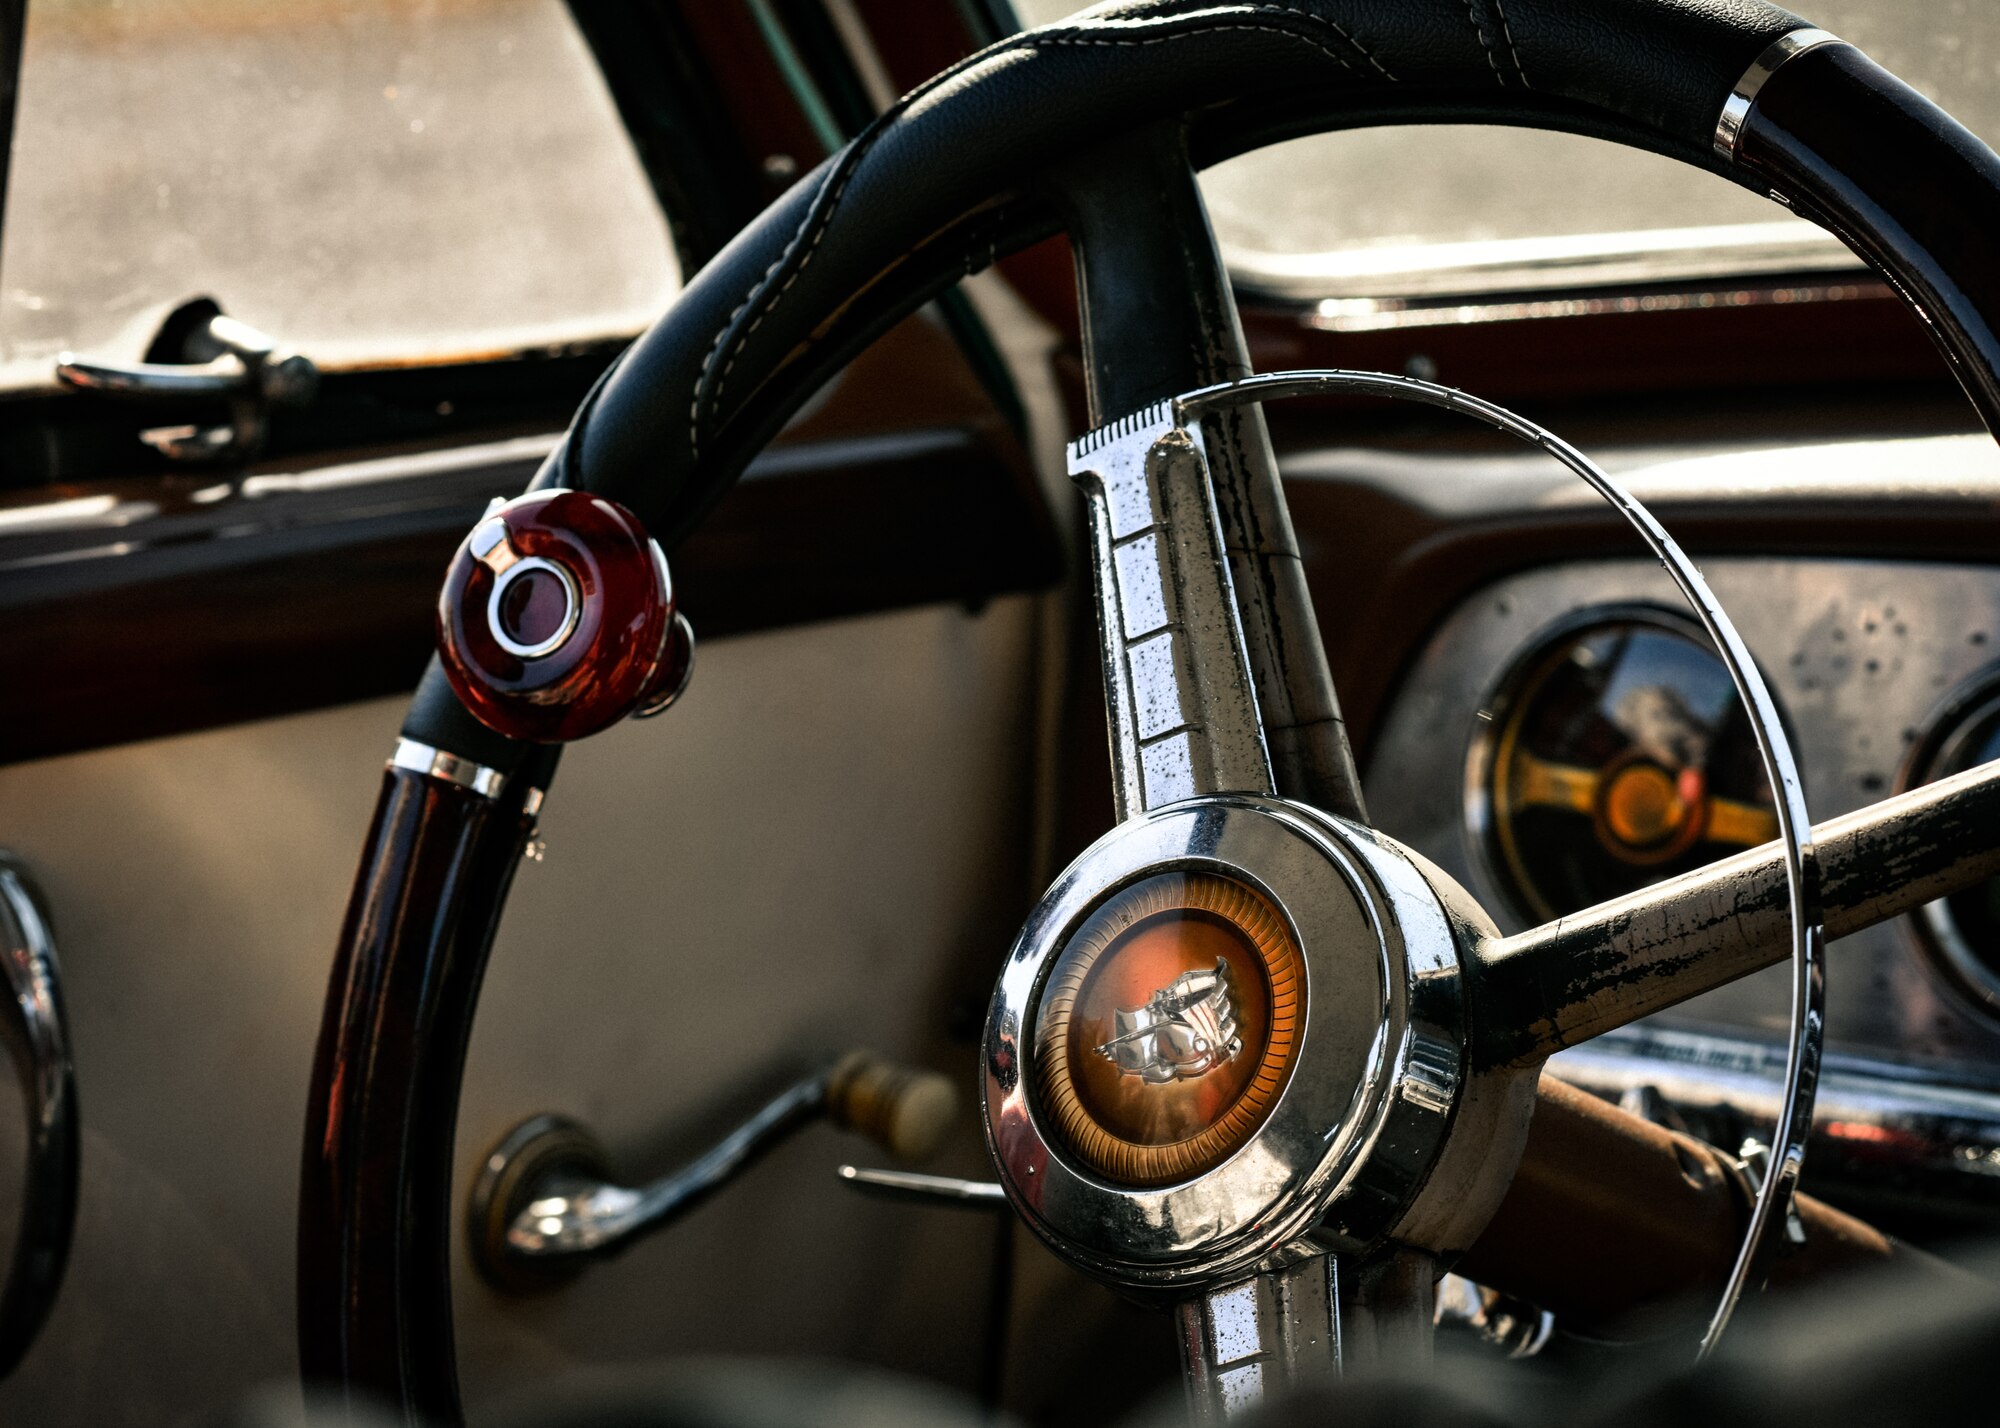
{"points": [[204, 357]]}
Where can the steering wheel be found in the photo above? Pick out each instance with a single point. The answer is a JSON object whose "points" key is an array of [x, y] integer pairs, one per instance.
{"points": [[1249, 1056]]}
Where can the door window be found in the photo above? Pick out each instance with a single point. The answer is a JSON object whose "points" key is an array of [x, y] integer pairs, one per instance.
{"points": [[370, 181]]}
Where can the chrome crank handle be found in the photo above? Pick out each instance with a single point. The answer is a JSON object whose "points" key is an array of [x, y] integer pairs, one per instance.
{"points": [[546, 1203]]}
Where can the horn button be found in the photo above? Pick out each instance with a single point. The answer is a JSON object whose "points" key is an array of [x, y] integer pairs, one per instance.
{"points": [[1168, 1026], [1231, 1032]]}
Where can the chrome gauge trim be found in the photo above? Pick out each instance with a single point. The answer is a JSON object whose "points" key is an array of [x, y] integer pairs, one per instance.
{"points": [[1779, 53], [1948, 956], [1352, 1135], [1497, 706], [415, 757], [1807, 1025]]}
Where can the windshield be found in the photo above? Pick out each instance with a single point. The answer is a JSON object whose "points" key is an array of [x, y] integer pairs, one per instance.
{"points": [[1461, 208]]}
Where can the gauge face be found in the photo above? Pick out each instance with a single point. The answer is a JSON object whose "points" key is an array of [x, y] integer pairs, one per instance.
{"points": [[1963, 930], [1617, 754]]}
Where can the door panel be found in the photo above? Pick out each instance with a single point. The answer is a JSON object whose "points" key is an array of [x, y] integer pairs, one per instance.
{"points": [[823, 845]]}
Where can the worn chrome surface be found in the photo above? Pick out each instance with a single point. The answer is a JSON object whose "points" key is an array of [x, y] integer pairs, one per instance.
{"points": [[1183, 713], [1807, 1023], [437, 763], [1353, 1133], [1736, 108], [1949, 738], [37, 1034], [1883, 1129], [1859, 654], [1270, 1334]]}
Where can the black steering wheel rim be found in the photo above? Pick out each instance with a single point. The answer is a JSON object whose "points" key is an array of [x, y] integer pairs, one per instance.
{"points": [[944, 183]]}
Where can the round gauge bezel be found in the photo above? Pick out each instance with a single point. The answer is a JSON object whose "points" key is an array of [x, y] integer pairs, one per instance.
{"points": [[1942, 948], [1499, 885]]}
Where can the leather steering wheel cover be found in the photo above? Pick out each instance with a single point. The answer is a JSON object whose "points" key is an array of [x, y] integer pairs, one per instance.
{"points": [[656, 434]]}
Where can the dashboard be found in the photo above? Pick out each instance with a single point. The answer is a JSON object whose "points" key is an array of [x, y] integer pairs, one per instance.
{"points": [[1566, 734]]}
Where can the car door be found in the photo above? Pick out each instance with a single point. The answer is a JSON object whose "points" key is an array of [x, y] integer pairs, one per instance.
{"points": [[217, 571]]}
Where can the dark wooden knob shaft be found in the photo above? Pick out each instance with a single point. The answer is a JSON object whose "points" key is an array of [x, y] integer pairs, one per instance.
{"points": [[557, 617]]}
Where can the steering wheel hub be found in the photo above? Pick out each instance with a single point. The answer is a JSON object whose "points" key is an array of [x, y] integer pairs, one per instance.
{"points": [[1231, 1032]]}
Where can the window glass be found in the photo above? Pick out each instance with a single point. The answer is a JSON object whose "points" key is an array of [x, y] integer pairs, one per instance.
{"points": [[366, 180], [1426, 207]]}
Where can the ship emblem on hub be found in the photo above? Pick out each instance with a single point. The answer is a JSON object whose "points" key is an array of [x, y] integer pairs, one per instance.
{"points": [[1186, 1029]]}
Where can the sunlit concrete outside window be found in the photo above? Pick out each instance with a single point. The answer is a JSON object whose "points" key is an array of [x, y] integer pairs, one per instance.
{"points": [[367, 180], [1416, 210]]}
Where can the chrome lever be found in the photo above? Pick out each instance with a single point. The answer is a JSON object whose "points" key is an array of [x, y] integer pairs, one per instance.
{"points": [[946, 1191], [228, 361], [546, 1205]]}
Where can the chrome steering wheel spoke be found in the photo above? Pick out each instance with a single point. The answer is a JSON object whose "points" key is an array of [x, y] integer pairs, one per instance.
{"points": [[1302, 1325], [1159, 318]]}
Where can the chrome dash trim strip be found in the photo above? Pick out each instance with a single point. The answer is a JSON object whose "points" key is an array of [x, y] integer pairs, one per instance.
{"points": [[1780, 52], [414, 757], [1882, 1126]]}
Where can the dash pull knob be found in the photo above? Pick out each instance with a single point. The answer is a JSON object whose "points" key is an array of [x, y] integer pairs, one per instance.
{"points": [[557, 618], [906, 1111]]}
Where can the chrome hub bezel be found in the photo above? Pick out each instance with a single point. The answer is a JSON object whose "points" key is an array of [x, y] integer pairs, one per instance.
{"points": [[1354, 1132]]}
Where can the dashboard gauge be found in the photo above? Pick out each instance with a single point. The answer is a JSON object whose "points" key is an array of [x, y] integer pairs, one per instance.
{"points": [[1962, 932], [1614, 753]]}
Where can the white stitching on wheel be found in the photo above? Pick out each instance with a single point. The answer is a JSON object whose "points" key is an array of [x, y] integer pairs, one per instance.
{"points": [[1336, 27], [846, 172], [833, 188], [1508, 31], [1480, 30], [1049, 41]]}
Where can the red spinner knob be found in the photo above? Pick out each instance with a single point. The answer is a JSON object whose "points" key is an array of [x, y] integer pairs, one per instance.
{"points": [[557, 618]]}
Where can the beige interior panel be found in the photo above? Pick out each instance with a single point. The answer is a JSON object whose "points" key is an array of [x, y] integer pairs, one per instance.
{"points": [[821, 847]]}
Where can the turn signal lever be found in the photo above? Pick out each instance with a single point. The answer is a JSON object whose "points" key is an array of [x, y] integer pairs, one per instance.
{"points": [[545, 1204]]}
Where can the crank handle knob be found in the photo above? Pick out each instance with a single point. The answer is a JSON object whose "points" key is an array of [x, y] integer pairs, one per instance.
{"points": [[907, 1111]]}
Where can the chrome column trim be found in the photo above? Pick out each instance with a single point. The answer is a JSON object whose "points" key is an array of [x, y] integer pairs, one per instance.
{"points": [[1249, 1343], [1736, 109], [414, 757], [1178, 691]]}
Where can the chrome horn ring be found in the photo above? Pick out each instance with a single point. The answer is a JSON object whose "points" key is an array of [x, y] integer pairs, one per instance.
{"points": [[1185, 734]]}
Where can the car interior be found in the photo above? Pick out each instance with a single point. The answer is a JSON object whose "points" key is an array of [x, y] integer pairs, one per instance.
{"points": [[1268, 712]]}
